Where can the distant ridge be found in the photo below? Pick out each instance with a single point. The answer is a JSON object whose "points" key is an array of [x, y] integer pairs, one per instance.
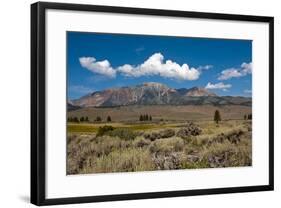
{"points": [[154, 93]]}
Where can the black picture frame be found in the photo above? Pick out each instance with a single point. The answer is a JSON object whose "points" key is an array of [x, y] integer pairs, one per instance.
{"points": [[38, 98]]}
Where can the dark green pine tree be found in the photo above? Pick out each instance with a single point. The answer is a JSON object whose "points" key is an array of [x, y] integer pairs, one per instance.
{"points": [[146, 117], [217, 116], [75, 119], [108, 119], [98, 119]]}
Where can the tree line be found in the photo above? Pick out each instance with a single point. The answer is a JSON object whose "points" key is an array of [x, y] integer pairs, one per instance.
{"points": [[86, 119], [99, 119], [76, 119], [145, 117], [217, 116], [248, 116]]}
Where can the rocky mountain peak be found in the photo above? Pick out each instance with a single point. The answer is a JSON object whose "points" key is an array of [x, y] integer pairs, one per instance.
{"points": [[198, 92], [154, 93]]}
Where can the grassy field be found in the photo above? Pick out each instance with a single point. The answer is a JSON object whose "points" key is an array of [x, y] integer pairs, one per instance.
{"points": [[93, 127], [191, 141], [162, 112]]}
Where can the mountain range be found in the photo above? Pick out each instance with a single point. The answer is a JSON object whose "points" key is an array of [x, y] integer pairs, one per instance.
{"points": [[153, 93]]}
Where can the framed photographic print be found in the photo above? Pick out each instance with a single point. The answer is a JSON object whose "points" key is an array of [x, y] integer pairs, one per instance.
{"points": [[130, 103]]}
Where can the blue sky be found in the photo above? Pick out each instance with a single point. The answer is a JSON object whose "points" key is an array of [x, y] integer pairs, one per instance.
{"points": [[98, 61]]}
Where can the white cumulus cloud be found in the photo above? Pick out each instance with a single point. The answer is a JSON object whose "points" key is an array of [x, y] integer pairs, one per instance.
{"points": [[245, 68], [155, 65], [248, 91], [99, 67], [219, 85], [206, 67]]}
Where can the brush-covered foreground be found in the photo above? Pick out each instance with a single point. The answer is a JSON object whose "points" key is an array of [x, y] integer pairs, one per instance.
{"points": [[120, 147]]}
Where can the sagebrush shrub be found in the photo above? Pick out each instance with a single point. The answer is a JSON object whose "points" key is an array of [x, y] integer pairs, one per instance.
{"points": [[122, 133], [104, 129]]}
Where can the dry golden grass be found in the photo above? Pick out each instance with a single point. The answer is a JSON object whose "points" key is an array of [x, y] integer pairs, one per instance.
{"points": [[228, 144], [93, 127]]}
